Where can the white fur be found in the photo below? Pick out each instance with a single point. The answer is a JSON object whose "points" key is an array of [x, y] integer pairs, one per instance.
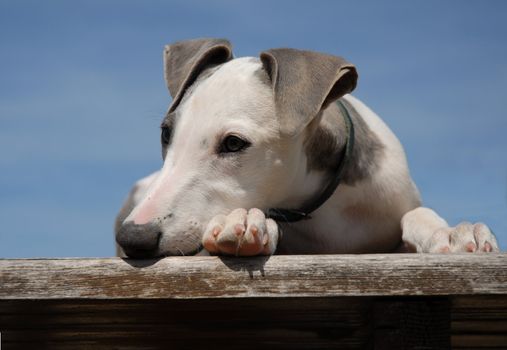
{"points": [[390, 192], [196, 185]]}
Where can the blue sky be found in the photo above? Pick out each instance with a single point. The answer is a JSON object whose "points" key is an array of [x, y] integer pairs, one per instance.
{"points": [[82, 95]]}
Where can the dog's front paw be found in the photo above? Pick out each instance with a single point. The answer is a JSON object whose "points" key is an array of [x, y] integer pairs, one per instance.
{"points": [[241, 233], [466, 237]]}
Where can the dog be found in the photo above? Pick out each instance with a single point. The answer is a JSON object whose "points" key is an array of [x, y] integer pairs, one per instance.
{"points": [[273, 155]]}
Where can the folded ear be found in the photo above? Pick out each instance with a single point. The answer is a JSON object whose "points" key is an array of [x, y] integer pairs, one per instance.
{"points": [[304, 83], [185, 60]]}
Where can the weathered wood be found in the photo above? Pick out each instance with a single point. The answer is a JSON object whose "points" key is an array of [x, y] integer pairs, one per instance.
{"points": [[246, 323], [274, 277], [408, 323], [477, 322], [284, 302]]}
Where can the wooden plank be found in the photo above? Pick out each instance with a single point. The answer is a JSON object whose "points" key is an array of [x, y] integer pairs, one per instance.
{"points": [[479, 322], [284, 302], [275, 277], [411, 323], [245, 323], [283, 323]]}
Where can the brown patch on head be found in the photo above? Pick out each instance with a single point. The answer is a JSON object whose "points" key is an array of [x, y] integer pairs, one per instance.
{"points": [[304, 83]]}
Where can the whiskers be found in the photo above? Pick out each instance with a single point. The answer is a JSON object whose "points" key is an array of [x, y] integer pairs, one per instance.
{"points": [[181, 251], [189, 244]]}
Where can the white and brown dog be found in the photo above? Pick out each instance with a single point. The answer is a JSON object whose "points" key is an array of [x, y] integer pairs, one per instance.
{"points": [[272, 155]]}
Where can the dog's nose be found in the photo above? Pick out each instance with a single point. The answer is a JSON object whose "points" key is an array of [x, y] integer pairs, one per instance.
{"points": [[139, 241]]}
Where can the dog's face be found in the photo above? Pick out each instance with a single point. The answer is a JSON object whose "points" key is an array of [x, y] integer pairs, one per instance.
{"points": [[225, 146], [222, 151]]}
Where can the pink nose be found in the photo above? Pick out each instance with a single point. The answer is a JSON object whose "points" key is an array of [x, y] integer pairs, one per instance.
{"points": [[146, 212]]}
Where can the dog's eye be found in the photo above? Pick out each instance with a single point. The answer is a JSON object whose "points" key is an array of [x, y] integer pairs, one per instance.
{"points": [[233, 144], [165, 136]]}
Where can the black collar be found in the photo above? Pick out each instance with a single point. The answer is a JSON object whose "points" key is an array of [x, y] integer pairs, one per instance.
{"points": [[292, 215]]}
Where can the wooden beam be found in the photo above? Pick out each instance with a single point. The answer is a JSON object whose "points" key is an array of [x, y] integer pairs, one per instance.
{"points": [[260, 277], [285, 302]]}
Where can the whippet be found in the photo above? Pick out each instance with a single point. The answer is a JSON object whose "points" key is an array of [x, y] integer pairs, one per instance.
{"points": [[272, 154]]}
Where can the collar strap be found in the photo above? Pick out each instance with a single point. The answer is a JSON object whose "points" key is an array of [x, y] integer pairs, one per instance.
{"points": [[293, 215]]}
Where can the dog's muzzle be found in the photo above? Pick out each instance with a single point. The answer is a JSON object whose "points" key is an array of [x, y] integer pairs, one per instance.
{"points": [[139, 241]]}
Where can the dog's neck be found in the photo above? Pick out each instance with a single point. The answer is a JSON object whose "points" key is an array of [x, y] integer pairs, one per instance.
{"points": [[335, 172], [331, 160]]}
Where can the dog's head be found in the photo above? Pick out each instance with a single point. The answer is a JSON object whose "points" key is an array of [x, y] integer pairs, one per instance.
{"points": [[233, 137]]}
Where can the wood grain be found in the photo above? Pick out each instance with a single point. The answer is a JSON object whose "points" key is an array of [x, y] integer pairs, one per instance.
{"points": [[277, 276], [404, 301]]}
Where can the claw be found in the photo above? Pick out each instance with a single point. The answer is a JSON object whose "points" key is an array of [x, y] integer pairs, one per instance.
{"points": [[470, 247], [445, 250], [239, 229]]}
